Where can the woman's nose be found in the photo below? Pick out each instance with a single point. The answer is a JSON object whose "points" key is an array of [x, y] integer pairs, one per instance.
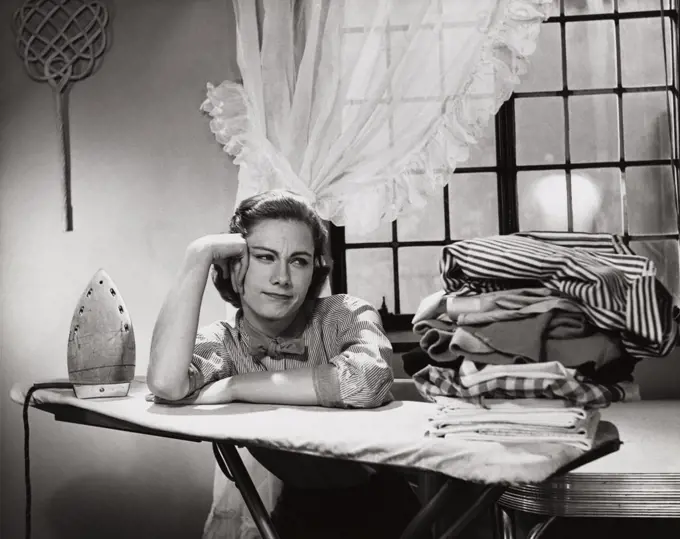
{"points": [[281, 274]]}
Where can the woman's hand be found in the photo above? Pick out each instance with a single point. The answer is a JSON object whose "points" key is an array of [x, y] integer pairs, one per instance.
{"points": [[229, 252]]}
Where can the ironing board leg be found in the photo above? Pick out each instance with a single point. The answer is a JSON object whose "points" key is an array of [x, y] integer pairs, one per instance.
{"points": [[505, 523], [445, 498], [232, 466], [227, 455], [538, 530], [426, 517], [486, 500]]}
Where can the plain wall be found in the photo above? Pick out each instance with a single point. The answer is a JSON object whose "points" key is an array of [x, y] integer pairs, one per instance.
{"points": [[147, 178]]}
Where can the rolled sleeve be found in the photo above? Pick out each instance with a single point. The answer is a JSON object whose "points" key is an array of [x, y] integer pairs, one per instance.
{"points": [[327, 385], [360, 375]]}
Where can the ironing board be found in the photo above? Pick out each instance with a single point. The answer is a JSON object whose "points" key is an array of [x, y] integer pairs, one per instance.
{"points": [[642, 480], [392, 435]]}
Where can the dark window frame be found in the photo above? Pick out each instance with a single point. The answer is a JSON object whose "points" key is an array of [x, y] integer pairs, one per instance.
{"points": [[506, 167]]}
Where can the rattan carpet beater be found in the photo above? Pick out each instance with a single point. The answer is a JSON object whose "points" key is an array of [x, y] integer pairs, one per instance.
{"points": [[61, 42]]}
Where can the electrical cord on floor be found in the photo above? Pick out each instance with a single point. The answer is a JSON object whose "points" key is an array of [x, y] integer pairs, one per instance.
{"points": [[27, 462]]}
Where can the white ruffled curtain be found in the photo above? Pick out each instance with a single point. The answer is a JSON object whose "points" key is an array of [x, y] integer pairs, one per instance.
{"points": [[365, 107]]}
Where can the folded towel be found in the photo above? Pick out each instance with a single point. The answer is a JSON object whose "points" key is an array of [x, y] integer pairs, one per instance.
{"points": [[506, 405], [452, 427], [532, 421], [538, 412], [581, 436]]}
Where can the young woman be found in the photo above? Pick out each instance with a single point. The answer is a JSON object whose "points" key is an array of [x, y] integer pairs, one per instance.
{"points": [[287, 346]]}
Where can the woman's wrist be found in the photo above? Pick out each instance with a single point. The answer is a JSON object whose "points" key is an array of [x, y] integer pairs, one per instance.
{"points": [[198, 253]]}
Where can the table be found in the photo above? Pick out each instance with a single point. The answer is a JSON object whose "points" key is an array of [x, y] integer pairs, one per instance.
{"points": [[641, 480], [388, 436]]}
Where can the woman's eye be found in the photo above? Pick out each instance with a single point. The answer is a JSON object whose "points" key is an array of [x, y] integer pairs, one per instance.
{"points": [[301, 262], [264, 257]]}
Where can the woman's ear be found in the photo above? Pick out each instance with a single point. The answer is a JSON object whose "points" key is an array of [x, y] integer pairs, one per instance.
{"points": [[235, 266]]}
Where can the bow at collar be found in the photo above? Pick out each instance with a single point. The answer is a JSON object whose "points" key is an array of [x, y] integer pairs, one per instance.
{"points": [[259, 345], [262, 346]]}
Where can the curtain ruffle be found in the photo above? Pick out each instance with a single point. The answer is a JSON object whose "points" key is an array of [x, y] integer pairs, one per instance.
{"points": [[409, 182]]}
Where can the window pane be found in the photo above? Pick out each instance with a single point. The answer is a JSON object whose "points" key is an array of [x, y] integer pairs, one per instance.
{"points": [[473, 205], [607, 217], [645, 124], [380, 234], [483, 154], [540, 130], [585, 7], [555, 7], [425, 224], [641, 5], [642, 56], [651, 200], [542, 205], [542, 201], [675, 28], [591, 54], [418, 275], [664, 254], [593, 128], [370, 276], [545, 64]]}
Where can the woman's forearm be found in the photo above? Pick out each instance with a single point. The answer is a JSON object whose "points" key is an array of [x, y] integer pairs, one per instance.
{"points": [[174, 333], [294, 387]]}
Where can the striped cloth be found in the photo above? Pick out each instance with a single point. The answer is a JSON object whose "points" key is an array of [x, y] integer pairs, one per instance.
{"points": [[346, 347], [617, 289], [433, 382]]}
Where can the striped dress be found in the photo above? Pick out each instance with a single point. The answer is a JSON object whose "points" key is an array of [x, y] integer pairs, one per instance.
{"points": [[617, 289], [346, 347]]}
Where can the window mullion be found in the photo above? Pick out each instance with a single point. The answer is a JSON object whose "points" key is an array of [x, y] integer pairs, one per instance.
{"points": [[338, 252], [506, 159]]}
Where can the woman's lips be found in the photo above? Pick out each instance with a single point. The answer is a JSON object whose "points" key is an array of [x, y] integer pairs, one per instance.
{"points": [[281, 297]]}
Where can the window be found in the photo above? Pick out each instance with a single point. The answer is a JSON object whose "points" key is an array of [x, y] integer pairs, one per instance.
{"points": [[588, 142]]}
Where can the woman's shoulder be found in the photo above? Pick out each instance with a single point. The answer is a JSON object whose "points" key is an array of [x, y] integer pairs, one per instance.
{"points": [[339, 304], [219, 330]]}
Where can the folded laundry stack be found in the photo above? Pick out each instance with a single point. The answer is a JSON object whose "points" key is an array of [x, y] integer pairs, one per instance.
{"points": [[532, 333], [515, 421]]}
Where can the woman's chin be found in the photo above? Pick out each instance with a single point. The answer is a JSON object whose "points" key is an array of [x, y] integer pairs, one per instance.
{"points": [[274, 312]]}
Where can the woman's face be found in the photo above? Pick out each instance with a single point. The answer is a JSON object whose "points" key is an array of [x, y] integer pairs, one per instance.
{"points": [[280, 269]]}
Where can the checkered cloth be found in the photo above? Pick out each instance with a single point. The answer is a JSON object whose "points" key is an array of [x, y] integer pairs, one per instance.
{"points": [[433, 381]]}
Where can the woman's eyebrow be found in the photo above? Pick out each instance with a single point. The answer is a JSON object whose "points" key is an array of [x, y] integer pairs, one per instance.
{"points": [[275, 252]]}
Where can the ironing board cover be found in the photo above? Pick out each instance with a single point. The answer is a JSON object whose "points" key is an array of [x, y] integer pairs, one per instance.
{"points": [[392, 434]]}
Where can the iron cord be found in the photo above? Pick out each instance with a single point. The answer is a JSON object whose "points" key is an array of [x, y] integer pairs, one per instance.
{"points": [[27, 462]]}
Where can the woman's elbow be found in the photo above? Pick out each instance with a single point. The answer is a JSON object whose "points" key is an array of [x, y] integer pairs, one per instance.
{"points": [[164, 390], [377, 385]]}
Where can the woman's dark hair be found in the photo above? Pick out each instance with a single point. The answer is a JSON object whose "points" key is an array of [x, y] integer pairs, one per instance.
{"points": [[282, 205]]}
